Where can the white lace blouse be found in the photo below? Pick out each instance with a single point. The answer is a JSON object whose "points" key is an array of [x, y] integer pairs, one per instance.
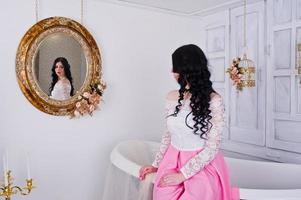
{"points": [[61, 90], [182, 138]]}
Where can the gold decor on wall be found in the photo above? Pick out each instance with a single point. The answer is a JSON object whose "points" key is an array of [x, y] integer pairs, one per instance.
{"points": [[247, 67], [242, 76], [60, 37], [8, 189]]}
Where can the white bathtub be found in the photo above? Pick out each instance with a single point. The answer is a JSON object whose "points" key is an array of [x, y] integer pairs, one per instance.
{"points": [[257, 180]]}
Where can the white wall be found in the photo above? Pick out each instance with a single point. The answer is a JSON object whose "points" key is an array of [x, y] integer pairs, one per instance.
{"points": [[69, 157]]}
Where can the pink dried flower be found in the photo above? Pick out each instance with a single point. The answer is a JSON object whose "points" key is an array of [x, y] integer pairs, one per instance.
{"points": [[84, 107], [86, 94], [76, 113], [91, 108], [94, 98]]}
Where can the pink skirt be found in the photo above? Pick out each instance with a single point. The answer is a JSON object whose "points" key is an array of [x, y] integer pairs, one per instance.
{"points": [[211, 183]]}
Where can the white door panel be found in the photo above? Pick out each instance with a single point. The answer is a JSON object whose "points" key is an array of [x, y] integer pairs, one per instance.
{"points": [[282, 49], [248, 107], [284, 108], [282, 11], [298, 10]]}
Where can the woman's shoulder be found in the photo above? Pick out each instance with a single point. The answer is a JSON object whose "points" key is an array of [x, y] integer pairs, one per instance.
{"points": [[172, 95], [65, 81], [172, 98], [216, 100], [214, 96]]}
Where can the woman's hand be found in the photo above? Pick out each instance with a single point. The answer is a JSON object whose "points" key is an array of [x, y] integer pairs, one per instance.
{"points": [[171, 179], [146, 170]]}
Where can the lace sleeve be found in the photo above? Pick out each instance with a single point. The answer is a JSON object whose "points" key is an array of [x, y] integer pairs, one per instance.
{"points": [[66, 90], [165, 141], [212, 144]]}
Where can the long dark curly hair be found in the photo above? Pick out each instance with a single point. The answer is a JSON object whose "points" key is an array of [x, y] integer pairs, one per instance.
{"points": [[55, 78], [190, 62]]}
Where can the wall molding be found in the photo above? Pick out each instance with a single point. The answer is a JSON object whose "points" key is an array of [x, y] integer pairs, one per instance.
{"points": [[194, 14]]}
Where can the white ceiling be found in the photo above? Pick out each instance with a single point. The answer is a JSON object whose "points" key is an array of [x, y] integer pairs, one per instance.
{"points": [[182, 7]]}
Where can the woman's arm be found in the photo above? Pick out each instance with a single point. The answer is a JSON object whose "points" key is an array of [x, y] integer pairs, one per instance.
{"points": [[66, 89], [159, 156], [165, 141], [213, 142]]}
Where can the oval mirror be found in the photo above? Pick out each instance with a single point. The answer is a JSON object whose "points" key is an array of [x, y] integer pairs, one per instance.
{"points": [[57, 62]]}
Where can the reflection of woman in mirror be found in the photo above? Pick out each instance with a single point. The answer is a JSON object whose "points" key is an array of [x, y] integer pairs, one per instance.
{"points": [[61, 87]]}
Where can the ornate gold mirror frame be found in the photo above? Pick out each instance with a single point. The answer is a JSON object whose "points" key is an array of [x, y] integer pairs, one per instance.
{"points": [[25, 59]]}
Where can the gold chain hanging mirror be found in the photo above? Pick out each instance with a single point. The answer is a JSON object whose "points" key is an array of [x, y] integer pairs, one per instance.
{"points": [[242, 70]]}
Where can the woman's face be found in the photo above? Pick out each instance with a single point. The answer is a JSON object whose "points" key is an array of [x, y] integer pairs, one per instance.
{"points": [[59, 70]]}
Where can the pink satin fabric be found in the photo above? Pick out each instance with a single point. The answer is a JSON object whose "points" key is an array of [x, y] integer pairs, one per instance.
{"points": [[211, 183]]}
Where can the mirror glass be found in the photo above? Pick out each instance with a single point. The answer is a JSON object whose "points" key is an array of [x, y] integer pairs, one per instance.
{"points": [[60, 66]]}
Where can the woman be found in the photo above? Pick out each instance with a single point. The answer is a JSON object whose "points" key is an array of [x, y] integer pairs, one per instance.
{"points": [[61, 87], [189, 165]]}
